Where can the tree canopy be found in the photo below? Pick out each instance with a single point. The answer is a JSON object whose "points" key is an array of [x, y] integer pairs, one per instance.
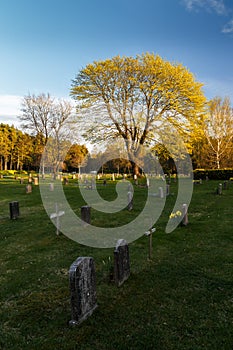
{"points": [[133, 98]]}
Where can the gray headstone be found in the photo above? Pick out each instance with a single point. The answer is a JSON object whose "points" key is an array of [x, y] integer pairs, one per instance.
{"points": [[28, 188], [219, 189], [121, 262], [185, 214], [14, 209], [130, 200], [161, 194], [86, 214], [82, 289]]}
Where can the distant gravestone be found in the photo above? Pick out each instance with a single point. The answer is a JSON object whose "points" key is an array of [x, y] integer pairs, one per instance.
{"points": [[28, 188], [130, 200], [82, 289], [225, 185], [161, 194], [51, 187], [30, 180], [21, 180], [36, 181], [185, 214], [219, 189], [167, 189], [121, 262], [57, 215], [86, 214], [14, 210]]}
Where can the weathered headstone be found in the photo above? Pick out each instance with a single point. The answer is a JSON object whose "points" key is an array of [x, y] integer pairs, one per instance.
{"points": [[161, 194], [86, 214], [185, 214], [121, 262], [14, 210], [28, 188], [130, 200], [82, 289]]}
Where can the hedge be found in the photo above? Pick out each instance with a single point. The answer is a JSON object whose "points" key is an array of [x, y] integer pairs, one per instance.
{"points": [[213, 174]]}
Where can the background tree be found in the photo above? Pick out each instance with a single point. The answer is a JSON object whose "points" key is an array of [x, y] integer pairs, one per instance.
{"points": [[44, 116], [219, 132], [130, 98], [75, 157]]}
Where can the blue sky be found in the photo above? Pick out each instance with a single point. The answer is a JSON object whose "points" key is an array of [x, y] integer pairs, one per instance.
{"points": [[44, 43]]}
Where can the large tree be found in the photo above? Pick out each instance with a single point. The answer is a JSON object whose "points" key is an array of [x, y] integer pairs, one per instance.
{"points": [[132, 98]]}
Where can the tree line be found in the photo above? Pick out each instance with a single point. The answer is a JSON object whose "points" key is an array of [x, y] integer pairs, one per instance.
{"points": [[141, 102]]}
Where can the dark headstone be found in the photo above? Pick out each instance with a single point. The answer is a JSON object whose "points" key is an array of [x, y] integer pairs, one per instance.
{"points": [[225, 185], [14, 210], [82, 289], [86, 214], [121, 262]]}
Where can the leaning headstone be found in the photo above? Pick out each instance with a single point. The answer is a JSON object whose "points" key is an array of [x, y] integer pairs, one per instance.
{"points": [[185, 214], [28, 188], [130, 200], [121, 262], [82, 289], [161, 194], [14, 210], [86, 214]]}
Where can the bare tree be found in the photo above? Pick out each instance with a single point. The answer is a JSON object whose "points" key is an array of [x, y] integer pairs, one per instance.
{"points": [[51, 118], [219, 131]]}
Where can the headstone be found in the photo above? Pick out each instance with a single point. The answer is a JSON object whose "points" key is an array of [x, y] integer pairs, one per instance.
{"points": [[28, 188], [147, 182], [113, 177], [149, 235], [65, 180], [51, 187], [105, 182], [86, 214], [219, 189], [14, 210], [161, 194], [185, 214], [130, 200], [30, 180], [57, 216], [121, 262], [21, 180], [82, 289], [225, 185], [36, 181]]}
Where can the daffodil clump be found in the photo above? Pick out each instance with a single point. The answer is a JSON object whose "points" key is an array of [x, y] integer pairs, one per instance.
{"points": [[175, 215]]}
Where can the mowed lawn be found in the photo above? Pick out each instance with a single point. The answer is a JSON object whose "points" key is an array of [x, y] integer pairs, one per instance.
{"points": [[181, 299]]}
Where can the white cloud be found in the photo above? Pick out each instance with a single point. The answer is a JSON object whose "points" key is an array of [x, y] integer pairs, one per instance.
{"points": [[217, 6], [228, 28], [10, 105]]}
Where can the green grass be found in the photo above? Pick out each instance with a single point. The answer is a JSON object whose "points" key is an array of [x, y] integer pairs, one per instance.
{"points": [[181, 299]]}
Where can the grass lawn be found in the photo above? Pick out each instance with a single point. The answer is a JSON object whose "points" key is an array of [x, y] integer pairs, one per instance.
{"points": [[181, 299]]}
